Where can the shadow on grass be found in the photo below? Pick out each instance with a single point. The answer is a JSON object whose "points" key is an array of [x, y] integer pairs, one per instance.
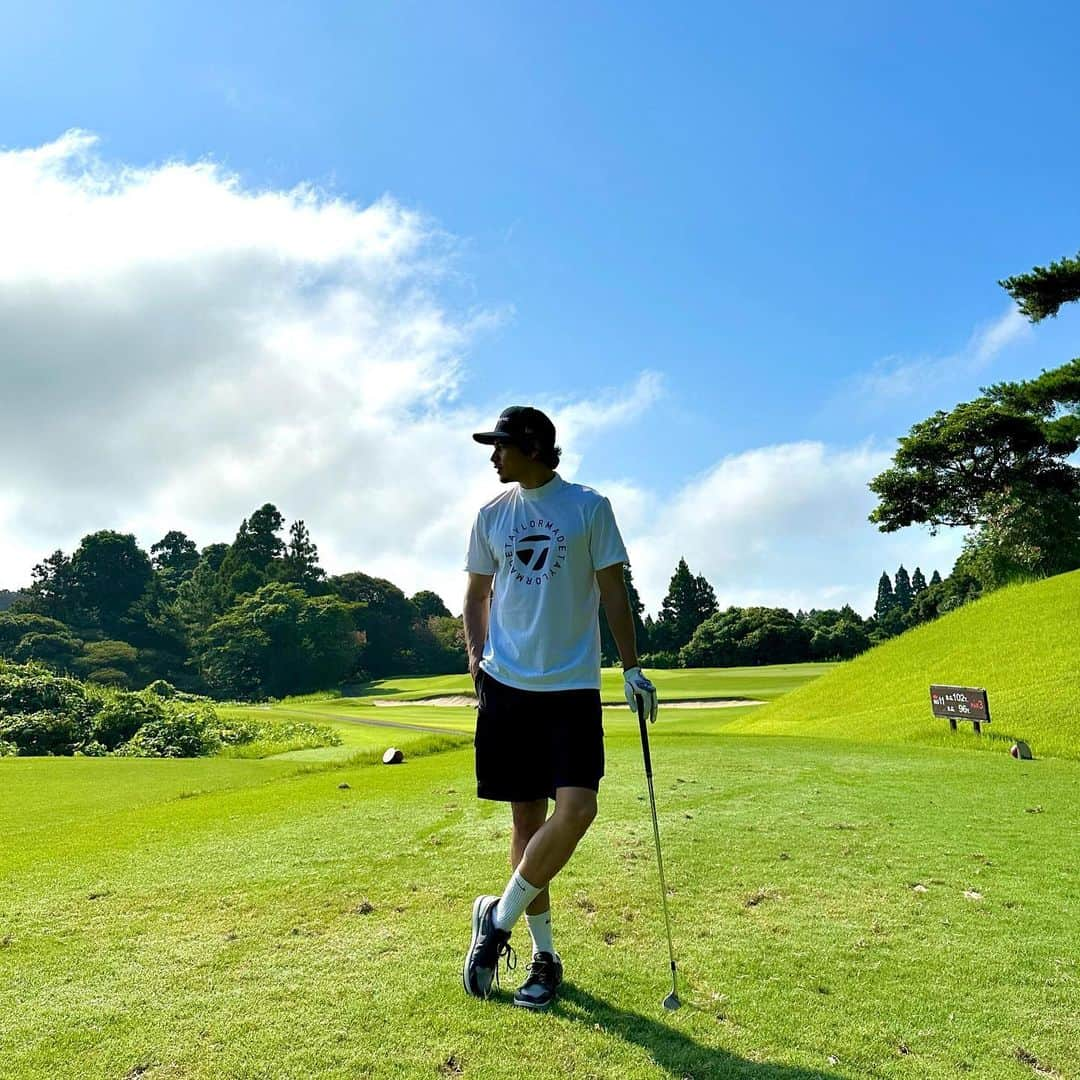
{"points": [[679, 1054]]}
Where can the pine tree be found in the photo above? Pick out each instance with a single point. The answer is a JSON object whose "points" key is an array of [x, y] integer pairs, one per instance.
{"points": [[301, 561], [679, 612], [918, 582], [935, 578], [902, 591], [886, 599], [705, 601]]}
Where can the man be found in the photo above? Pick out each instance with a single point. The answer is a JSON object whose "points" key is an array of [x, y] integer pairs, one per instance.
{"points": [[554, 553]]}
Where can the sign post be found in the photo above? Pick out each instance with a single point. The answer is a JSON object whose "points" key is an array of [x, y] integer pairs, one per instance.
{"points": [[961, 703]]}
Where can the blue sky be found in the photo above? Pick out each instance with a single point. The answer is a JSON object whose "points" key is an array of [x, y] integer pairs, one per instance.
{"points": [[794, 215]]}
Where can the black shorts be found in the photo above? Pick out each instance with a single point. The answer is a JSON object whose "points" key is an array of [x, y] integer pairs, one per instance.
{"points": [[530, 742]]}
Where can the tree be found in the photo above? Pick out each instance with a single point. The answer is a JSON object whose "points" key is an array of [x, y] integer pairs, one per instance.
{"points": [[935, 578], [940, 597], [250, 559], [429, 604], [744, 636], [902, 590], [385, 616], [448, 633], [886, 598], [56, 650], [999, 465], [174, 558], [300, 563], [1041, 292], [110, 572], [689, 601], [52, 592], [918, 582], [279, 641], [202, 598]]}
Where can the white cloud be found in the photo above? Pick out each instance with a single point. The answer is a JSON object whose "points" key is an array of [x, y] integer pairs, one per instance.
{"points": [[178, 349], [777, 526], [894, 377]]}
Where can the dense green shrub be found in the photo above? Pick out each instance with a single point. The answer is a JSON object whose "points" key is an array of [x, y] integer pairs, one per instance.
{"points": [[161, 688], [122, 716], [660, 659], [44, 733], [190, 731], [110, 677], [45, 713], [14, 627]]}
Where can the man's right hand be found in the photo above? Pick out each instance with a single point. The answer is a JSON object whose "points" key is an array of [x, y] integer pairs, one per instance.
{"points": [[474, 669]]}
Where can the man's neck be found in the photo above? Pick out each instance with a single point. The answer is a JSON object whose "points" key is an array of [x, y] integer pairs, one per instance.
{"points": [[538, 480]]}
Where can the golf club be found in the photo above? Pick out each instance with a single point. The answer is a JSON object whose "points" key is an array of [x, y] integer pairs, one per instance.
{"points": [[672, 1001]]}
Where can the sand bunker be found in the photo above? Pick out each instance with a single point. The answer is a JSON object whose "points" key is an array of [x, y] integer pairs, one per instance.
{"points": [[459, 700], [722, 703], [456, 700]]}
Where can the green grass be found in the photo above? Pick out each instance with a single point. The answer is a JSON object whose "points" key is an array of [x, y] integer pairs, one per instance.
{"points": [[761, 683], [840, 908], [1021, 643]]}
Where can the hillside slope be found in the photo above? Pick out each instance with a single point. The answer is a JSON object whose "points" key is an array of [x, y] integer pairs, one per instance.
{"points": [[1022, 643]]}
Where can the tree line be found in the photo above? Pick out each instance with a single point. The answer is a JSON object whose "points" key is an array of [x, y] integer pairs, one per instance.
{"points": [[691, 631], [252, 619]]}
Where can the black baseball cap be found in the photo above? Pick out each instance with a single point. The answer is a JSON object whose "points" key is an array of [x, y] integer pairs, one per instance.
{"points": [[519, 424]]}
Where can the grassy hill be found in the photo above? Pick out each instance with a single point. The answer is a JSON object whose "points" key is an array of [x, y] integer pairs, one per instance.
{"points": [[1021, 643]]}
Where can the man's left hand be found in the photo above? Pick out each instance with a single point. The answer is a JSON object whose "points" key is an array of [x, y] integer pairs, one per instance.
{"points": [[637, 687]]}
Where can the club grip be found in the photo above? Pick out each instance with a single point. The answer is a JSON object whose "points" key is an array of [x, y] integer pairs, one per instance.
{"points": [[644, 736]]}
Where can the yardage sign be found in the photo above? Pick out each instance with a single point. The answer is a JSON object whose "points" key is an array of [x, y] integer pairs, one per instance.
{"points": [[961, 703]]}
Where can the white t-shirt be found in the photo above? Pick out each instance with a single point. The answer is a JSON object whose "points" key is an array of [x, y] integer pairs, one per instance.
{"points": [[544, 546]]}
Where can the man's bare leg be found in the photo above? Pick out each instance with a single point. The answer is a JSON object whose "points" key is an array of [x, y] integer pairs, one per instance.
{"points": [[552, 844]]}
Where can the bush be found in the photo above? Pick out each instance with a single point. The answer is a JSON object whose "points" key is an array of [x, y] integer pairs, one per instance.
{"points": [[181, 732], [13, 628], [45, 713], [162, 689], [109, 677], [44, 733], [660, 659], [123, 716]]}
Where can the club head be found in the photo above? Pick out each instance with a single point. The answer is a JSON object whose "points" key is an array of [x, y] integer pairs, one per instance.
{"points": [[672, 1002]]}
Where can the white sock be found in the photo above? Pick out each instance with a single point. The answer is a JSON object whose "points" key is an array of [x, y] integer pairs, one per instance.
{"points": [[518, 896], [540, 929]]}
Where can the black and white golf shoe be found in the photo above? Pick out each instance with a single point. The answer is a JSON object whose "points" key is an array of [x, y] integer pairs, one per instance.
{"points": [[489, 945], [545, 975]]}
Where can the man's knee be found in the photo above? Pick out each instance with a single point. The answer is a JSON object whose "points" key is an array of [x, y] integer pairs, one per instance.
{"points": [[528, 817], [576, 807]]}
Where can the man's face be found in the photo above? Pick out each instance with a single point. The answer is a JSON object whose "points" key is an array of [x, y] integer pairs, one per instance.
{"points": [[508, 461]]}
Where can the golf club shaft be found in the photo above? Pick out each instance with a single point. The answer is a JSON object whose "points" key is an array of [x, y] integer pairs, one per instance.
{"points": [[656, 833]]}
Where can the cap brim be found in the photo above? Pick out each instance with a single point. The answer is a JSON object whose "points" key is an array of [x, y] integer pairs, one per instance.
{"points": [[489, 438]]}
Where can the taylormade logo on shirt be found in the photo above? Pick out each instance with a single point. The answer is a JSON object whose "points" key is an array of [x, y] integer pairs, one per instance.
{"points": [[535, 551], [544, 546]]}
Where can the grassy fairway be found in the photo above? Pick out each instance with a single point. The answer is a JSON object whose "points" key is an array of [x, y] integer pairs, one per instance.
{"points": [[840, 910]]}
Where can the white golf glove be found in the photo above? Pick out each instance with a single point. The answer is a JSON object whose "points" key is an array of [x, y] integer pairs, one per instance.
{"points": [[638, 686]]}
